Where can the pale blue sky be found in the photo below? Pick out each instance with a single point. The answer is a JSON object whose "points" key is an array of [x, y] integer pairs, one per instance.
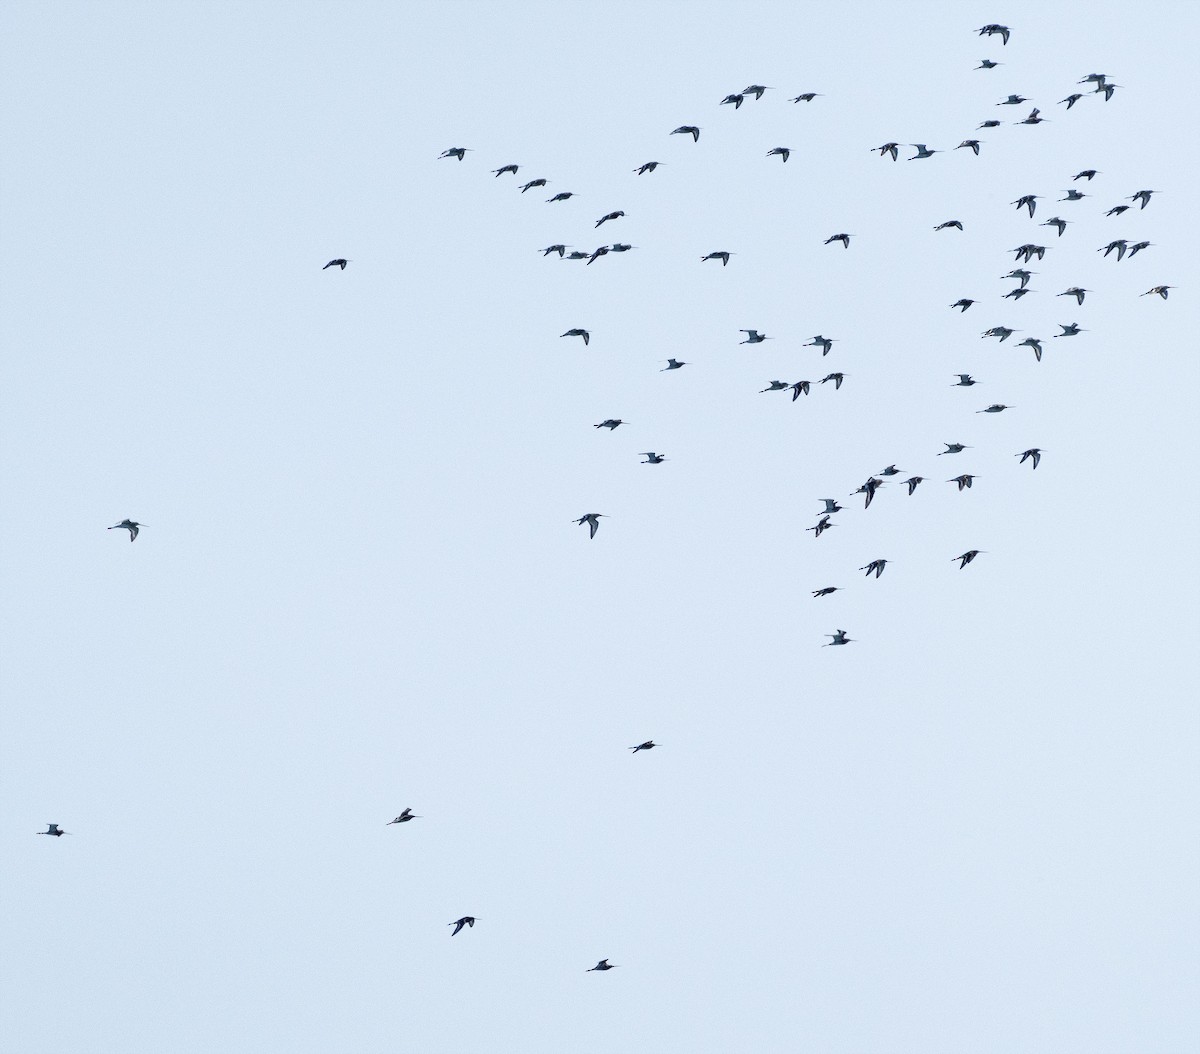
{"points": [[973, 829]]}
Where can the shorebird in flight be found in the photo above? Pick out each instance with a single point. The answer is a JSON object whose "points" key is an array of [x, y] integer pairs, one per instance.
{"points": [[560, 249], [603, 964], [649, 166], [610, 423], [912, 482], [1035, 343], [1013, 100], [651, 458], [837, 379], [776, 386], [722, 256], [507, 168], [53, 830], [1016, 294], [1071, 99], [609, 216], [562, 195], [1033, 118], [987, 64], [1120, 245], [889, 148], [988, 124], [1088, 173], [533, 183], [648, 745], [688, 129], [339, 262], [1033, 453], [965, 480], [1137, 247], [458, 924], [821, 526], [824, 343], [964, 303], [1073, 195], [130, 525], [800, 388], [966, 557], [404, 817], [1057, 223], [993, 29], [1076, 292], [825, 592], [1028, 201], [782, 151], [753, 336], [953, 448], [1021, 274], [592, 519], [1069, 331], [949, 223], [1161, 290], [838, 638], [808, 96], [455, 151], [737, 101], [995, 408], [875, 565], [1116, 210], [672, 364], [843, 238], [756, 90], [1003, 332], [922, 151], [587, 337], [1143, 196], [972, 143], [831, 506]]}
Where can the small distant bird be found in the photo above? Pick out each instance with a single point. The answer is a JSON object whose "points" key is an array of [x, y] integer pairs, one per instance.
{"points": [[603, 964], [831, 507], [649, 166], [129, 525], [603, 250], [869, 488], [737, 101], [1033, 117], [756, 90], [1016, 294], [953, 448], [837, 379], [610, 423], [1033, 452], [822, 525], [458, 924], [1071, 99], [988, 124], [673, 364], [1028, 201], [1003, 332], [1161, 290], [966, 557], [843, 238], [1013, 100], [824, 343], [609, 216], [651, 458], [339, 262], [888, 148], [1057, 223], [507, 168], [1073, 195], [875, 565], [995, 408], [592, 519], [972, 143], [577, 255], [1094, 78], [587, 337], [922, 151], [838, 638], [753, 336], [1108, 90], [1116, 210], [560, 249], [891, 470], [621, 247], [404, 817], [992, 29], [533, 183], [775, 386], [1120, 245], [688, 129], [965, 480], [808, 96], [1076, 292], [825, 592], [1021, 274], [1033, 342], [783, 151], [1028, 251], [912, 483], [1143, 196], [455, 151], [965, 380], [722, 256], [562, 195], [1137, 247], [949, 223], [53, 830], [800, 388], [648, 745], [987, 64], [1088, 173], [1069, 331], [964, 303]]}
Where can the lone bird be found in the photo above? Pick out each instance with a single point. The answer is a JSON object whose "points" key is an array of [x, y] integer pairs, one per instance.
{"points": [[455, 151], [1033, 453], [688, 129], [913, 482], [753, 336], [562, 195], [967, 557], [130, 525], [965, 480], [838, 638], [972, 143], [533, 183], [821, 526], [609, 216], [610, 423], [603, 964], [825, 592], [458, 924], [782, 151], [587, 337], [592, 519], [992, 29], [673, 364], [649, 166], [889, 148], [651, 458], [648, 745], [995, 408], [964, 303], [922, 151], [837, 379], [875, 565], [843, 238], [824, 343], [53, 830], [953, 448], [404, 817], [949, 223], [507, 168], [1161, 290], [1033, 342], [722, 256], [339, 262], [1076, 292]]}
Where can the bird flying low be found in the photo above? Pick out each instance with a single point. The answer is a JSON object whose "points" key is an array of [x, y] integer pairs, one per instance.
{"points": [[129, 525]]}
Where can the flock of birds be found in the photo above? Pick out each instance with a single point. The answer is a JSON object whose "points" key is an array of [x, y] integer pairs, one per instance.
{"points": [[1122, 248]]}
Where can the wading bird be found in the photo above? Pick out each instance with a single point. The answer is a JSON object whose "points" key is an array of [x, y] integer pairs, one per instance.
{"points": [[1137, 247], [1057, 223], [965, 480], [339, 262], [825, 592], [972, 143], [756, 90], [1070, 331], [995, 408], [507, 168], [1120, 245], [455, 151], [776, 386], [753, 336], [821, 526], [949, 223], [966, 557], [404, 817], [824, 343], [560, 249], [843, 238], [964, 303], [1028, 201], [987, 64], [1073, 195], [783, 151], [603, 964], [912, 483], [1088, 173], [1071, 99], [837, 379], [651, 458], [53, 830], [1076, 292], [737, 101], [1161, 290], [831, 506], [673, 364], [1021, 274], [610, 423], [888, 148], [1033, 453], [649, 166], [648, 745], [587, 337], [562, 195], [838, 638], [533, 183], [129, 525], [1116, 210], [722, 256], [988, 124], [875, 565], [800, 388], [609, 216], [458, 924], [1035, 343], [1143, 196], [992, 29], [592, 519], [953, 448], [688, 129], [807, 96], [965, 380], [922, 151], [1003, 332], [1033, 118]]}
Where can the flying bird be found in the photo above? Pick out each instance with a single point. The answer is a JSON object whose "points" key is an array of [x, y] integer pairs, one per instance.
{"points": [[753, 336], [1143, 196], [577, 255], [966, 557], [587, 337], [822, 525], [1116, 210], [1088, 173], [825, 592], [889, 148], [1033, 118], [843, 238], [507, 168], [610, 423], [1120, 245], [648, 745], [404, 817], [673, 364], [602, 251], [995, 408], [837, 379], [949, 223], [987, 64], [1034, 343], [838, 638], [1003, 332], [756, 90], [1013, 100], [722, 256], [831, 506], [1108, 90], [1073, 195], [1137, 247], [972, 143], [824, 343], [988, 124], [1071, 99], [1161, 290], [1021, 274], [562, 195], [651, 458], [912, 483], [458, 924], [649, 166], [609, 216], [603, 964], [1057, 223], [776, 386], [965, 380], [688, 129], [922, 151], [621, 247], [339, 262], [1033, 453], [592, 519], [953, 448], [1016, 294], [53, 830], [891, 470], [1069, 331], [800, 388], [533, 183], [965, 480], [1076, 292], [560, 249], [455, 151], [737, 101], [808, 96], [964, 303], [783, 151], [129, 525], [992, 29], [1028, 201], [875, 565]]}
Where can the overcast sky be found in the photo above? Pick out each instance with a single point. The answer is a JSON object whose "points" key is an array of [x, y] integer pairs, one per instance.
{"points": [[359, 588]]}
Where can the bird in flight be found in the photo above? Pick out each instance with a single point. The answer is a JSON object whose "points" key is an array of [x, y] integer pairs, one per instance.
{"points": [[1073, 195], [972, 143], [648, 745], [1143, 196], [965, 480], [837, 379], [1161, 290], [603, 964], [688, 129], [889, 148], [824, 343], [949, 223], [722, 256], [953, 448], [651, 458], [673, 364], [756, 90], [995, 408], [831, 506], [562, 195], [912, 482], [1071, 99], [988, 124], [776, 386], [404, 817], [922, 151], [610, 423], [560, 249], [843, 238], [339, 262], [1026, 201], [649, 166], [1003, 332], [1057, 223], [987, 64], [821, 526], [1020, 273], [838, 638], [1033, 453], [753, 336], [53, 830], [993, 29], [1034, 343], [1069, 331], [783, 151], [967, 557], [800, 388], [507, 168], [1076, 292], [875, 565], [592, 519], [964, 303], [455, 151], [130, 525], [609, 216], [808, 96], [533, 183], [1033, 118], [1013, 100], [737, 101], [825, 592], [587, 337], [458, 924]]}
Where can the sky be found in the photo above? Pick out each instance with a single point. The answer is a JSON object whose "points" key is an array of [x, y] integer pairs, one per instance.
{"points": [[359, 587]]}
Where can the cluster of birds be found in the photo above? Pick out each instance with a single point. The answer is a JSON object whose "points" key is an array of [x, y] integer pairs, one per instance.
{"points": [[1122, 248]]}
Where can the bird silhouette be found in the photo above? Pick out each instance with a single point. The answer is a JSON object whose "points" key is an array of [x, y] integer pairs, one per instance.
{"points": [[722, 256], [843, 238], [651, 458], [458, 924], [673, 364], [648, 745], [339, 262], [404, 817], [1033, 453], [455, 151], [965, 480], [533, 183], [966, 557], [592, 519], [781, 151], [889, 148], [129, 525], [649, 166], [838, 638], [587, 337], [973, 144], [609, 216], [610, 423], [688, 129], [507, 168], [603, 964], [875, 566], [53, 830]]}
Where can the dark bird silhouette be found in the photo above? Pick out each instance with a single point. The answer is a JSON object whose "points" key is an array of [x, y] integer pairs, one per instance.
{"points": [[1161, 290], [651, 458], [1116, 210], [987, 64], [949, 223], [722, 256], [673, 364], [455, 151], [1016, 294], [458, 924], [963, 303], [1069, 331], [592, 519], [587, 337], [1073, 195], [610, 423], [837, 379], [776, 386], [800, 388], [966, 557], [783, 151], [1033, 118], [827, 591], [507, 168], [562, 195], [824, 343], [1088, 173], [1057, 223], [621, 247], [1137, 247], [129, 525], [753, 336], [995, 408], [992, 29], [821, 526], [609, 216], [1071, 99], [649, 166], [648, 745], [1076, 292], [1028, 201], [972, 143], [843, 238], [1120, 245], [1034, 343], [560, 249], [53, 830], [603, 964], [756, 90], [1143, 196], [988, 124], [838, 638], [577, 255], [404, 817], [604, 250], [965, 480], [965, 380], [533, 183], [869, 488], [875, 565], [688, 129], [1021, 274], [889, 148], [953, 448], [1033, 453], [831, 507], [1003, 332], [808, 96], [339, 262], [1013, 100], [737, 101], [922, 151], [912, 483]]}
